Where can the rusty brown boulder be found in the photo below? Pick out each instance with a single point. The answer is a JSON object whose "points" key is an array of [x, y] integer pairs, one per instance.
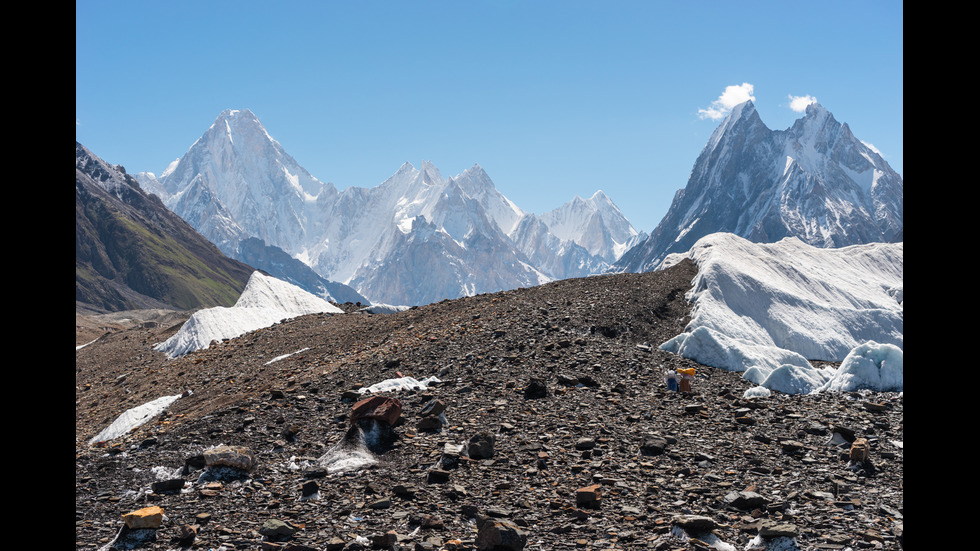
{"points": [[382, 408]]}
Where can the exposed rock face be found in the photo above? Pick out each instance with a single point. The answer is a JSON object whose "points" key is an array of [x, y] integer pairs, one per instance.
{"points": [[655, 458]]}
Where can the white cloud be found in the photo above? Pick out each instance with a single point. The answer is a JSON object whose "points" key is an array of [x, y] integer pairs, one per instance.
{"points": [[732, 96], [799, 103]]}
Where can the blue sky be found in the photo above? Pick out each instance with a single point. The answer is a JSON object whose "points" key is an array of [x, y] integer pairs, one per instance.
{"points": [[553, 99]]}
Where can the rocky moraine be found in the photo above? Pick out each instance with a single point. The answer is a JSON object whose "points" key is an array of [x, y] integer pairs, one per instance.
{"points": [[548, 426]]}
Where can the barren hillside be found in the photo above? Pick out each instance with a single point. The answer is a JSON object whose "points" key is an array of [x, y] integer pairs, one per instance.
{"points": [[566, 378]]}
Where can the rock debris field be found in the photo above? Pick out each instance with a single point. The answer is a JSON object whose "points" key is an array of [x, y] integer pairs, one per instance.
{"points": [[550, 427]]}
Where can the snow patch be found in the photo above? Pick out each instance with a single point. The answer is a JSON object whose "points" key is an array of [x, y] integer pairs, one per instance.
{"points": [[870, 365], [134, 418], [264, 302], [405, 224], [401, 383], [384, 309], [284, 356]]}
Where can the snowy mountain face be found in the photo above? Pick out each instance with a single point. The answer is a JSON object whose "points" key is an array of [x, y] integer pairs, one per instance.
{"points": [[223, 184], [814, 181], [596, 224], [415, 238]]}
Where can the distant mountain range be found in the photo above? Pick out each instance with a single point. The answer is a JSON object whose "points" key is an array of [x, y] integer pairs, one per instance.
{"points": [[418, 237], [132, 252], [815, 181]]}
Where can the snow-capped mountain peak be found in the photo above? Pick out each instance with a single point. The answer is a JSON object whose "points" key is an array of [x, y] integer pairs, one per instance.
{"points": [[595, 224], [815, 181], [742, 116], [245, 173], [416, 237], [429, 174]]}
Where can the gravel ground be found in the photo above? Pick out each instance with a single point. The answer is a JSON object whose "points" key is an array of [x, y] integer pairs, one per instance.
{"points": [[670, 470]]}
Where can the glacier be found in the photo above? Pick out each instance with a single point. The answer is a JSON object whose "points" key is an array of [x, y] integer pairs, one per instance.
{"points": [[264, 302], [768, 310]]}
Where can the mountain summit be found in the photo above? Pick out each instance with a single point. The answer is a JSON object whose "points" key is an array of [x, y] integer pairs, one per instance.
{"points": [[224, 182], [240, 189], [815, 181], [417, 237]]}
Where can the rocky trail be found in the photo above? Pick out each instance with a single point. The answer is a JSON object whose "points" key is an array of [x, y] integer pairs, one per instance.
{"points": [[550, 428]]}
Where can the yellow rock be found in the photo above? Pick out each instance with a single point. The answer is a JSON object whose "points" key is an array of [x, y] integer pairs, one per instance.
{"points": [[149, 517]]}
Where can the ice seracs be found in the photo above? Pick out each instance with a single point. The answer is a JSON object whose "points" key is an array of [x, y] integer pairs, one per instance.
{"points": [[264, 302], [768, 309]]}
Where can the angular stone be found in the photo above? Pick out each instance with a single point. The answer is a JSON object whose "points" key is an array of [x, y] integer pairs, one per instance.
{"points": [[381, 408], [589, 496], [148, 517], [567, 380], [536, 389], [310, 488], [745, 500], [383, 503], [772, 529], [238, 457], [860, 450], [481, 446], [437, 476], [653, 445], [405, 491], [433, 407], [188, 533], [171, 486], [791, 446], [499, 535], [350, 396], [431, 423], [384, 541], [499, 512], [431, 522], [693, 409], [695, 523], [275, 528]]}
